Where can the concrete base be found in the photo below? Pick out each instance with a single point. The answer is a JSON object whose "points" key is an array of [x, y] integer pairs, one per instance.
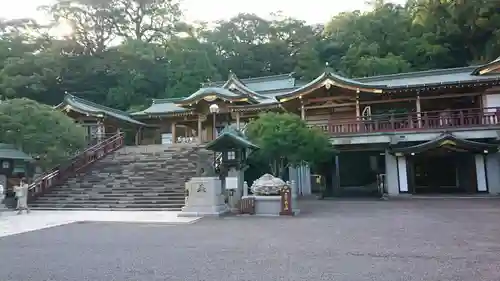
{"points": [[203, 211], [269, 206]]}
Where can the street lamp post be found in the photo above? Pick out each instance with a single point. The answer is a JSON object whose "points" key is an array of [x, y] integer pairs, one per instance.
{"points": [[214, 109]]}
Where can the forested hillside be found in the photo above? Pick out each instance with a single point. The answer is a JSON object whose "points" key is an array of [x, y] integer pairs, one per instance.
{"points": [[122, 53]]}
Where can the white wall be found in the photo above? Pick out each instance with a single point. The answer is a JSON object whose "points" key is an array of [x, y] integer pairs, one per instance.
{"points": [[402, 174], [493, 173], [391, 174], [491, 100], [480, 173]]}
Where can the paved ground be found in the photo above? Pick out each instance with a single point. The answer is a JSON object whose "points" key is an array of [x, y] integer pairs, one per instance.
{"points": [[382, 240], [11, 223]]}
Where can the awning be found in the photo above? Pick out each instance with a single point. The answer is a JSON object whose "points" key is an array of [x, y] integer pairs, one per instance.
{"points": [[230, 139], [449, 142], [8, 151]]}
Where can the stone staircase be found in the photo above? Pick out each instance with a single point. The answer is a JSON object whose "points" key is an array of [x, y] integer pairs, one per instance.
{"points": [[148, 177]]}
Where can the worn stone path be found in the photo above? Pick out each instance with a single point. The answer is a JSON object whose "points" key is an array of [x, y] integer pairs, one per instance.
{"points": [[11, 224], [407, 240]]}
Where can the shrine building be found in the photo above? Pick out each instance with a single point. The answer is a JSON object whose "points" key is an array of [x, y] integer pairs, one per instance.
{"points": [[421, 132]]}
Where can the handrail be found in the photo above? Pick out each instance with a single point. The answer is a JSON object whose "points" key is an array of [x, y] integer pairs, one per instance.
{"points": [[485, 110], [62, 172], [446, 119]]}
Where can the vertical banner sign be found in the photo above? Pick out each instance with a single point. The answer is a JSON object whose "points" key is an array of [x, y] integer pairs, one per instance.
{"points": [[286, 201]]}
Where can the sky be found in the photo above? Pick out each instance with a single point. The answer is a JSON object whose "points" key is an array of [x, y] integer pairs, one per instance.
{"points": [[312, 11]]}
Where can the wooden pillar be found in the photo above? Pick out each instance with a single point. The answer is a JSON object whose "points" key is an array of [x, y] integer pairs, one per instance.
{"points": [[302, 112], [237, 120], [199, 133], [101, 130], [358, 114], [138, 136], [173, 129], [419, 110], [214, 128]]}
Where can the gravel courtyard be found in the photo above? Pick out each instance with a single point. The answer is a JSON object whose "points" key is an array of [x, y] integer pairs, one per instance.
{"points": [[331, 240]]}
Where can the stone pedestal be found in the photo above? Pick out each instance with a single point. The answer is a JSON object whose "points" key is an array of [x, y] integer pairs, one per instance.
{"points": [[235, 186], [205, 198], [3, 207]]}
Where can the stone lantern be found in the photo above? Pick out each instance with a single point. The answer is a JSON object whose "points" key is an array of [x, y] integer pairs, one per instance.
{"points": [[232, 149]]}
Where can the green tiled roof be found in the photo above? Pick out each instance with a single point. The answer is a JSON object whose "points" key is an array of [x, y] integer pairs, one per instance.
{"points": [[261, 84], [92, 108], [326, 76], [230, 139], [220, 92], [450, 141], [161, 106], [8, 151], [429, 78]]}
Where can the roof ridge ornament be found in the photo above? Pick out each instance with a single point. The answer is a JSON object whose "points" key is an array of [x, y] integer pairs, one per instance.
{"points": [[328, 84], [328, 69]]}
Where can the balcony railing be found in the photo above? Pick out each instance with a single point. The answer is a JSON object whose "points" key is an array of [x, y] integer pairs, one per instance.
{"points": [[415, 121], [81, 161]]}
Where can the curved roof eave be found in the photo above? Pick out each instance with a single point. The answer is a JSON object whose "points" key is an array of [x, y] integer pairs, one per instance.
{"points": [[230, 140], [221, 93], [444, 140], [328, 79], [486, 68], [234, 80], [92, 109]]}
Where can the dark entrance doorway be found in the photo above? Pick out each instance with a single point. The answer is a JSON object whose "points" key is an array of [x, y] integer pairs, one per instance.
{"points": [[352, 174], [442, 172], [446, 164]]}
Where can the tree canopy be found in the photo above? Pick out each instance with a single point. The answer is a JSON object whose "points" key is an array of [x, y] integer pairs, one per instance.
{"points": [[40, 130], [284, 139], [122, 53]]}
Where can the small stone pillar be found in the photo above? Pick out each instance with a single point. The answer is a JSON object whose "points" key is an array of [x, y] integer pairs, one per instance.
{"points": [[2, 198], [3, 190], [245, 188]]}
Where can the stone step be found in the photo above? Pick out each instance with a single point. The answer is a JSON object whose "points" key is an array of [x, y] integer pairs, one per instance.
{"points": [[49, 208], [120, 186], [132, 189], [108, 201], [111, 198], [106, 182], [91, 205], [132, 178], [117, 195]]}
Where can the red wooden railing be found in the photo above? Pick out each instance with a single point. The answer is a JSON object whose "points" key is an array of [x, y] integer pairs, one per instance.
{"points": [[431, 120], [78, 163]]}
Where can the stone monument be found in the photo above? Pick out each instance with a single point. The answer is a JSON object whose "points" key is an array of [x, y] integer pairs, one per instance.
{"points": [[204, 193], [267, 184], [205, 197]]}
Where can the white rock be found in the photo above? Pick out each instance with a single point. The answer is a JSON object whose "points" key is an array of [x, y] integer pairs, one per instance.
{"points": [[267, 185]]}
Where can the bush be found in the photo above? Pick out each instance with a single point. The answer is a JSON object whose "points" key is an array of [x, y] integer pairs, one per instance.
{"points": [[40, 130]]}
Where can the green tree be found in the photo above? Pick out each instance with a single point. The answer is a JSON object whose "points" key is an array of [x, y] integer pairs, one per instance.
{"points": [[285, 140], [146, 20], [40, 130]]}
